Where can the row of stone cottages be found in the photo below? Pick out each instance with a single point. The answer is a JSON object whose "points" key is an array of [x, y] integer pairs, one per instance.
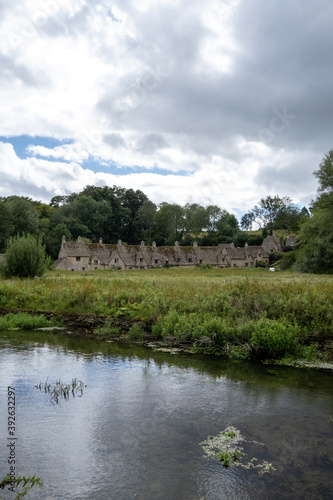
{"points": [[80, 256]]}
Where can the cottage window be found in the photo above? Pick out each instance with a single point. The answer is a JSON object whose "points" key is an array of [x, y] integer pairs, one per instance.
{"points": [[222, 259], [246, 264], [178, 259], [95, 262], [83, 269], [167, 262], [156, 261], [200, 262], [190, 259], [115, 261], [141, 259], [78, 259]]}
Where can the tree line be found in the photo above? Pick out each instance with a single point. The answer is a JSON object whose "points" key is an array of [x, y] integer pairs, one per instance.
{"points": [[114, 213]]}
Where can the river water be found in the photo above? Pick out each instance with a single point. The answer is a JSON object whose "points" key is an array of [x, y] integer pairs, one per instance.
{"points": [[135, 431]]}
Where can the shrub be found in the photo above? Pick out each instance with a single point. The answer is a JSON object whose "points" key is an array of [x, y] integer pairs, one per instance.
{"points": [[317, 256], [275, 338], [288, 260], [275, 256], [108, 330], [136, 332], [25, 257], [260, 263]]}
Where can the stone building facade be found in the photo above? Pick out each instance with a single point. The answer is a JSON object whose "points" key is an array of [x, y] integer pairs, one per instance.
{"points": [[80, 256]]}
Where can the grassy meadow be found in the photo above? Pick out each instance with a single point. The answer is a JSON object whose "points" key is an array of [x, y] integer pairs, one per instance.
{"points": [[241, 313]]}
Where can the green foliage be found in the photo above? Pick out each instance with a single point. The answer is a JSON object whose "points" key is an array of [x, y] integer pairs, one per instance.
{"points": [[108, 330], [275, 256], [260, 263], [240, 352], [288, 260], [275, 339], [25, 257], [317, 231], [136, 332], [317, 256], [27, 483], [226, 448], [24, 321], [206, 265], [214, 310]]}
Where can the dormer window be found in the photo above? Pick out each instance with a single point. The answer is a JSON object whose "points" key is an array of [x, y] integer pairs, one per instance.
{"points": [[156, 261], [95, 262], [141, 259]]}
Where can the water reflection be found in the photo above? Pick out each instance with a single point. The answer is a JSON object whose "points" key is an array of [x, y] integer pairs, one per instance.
{"points": [[136, 431]]}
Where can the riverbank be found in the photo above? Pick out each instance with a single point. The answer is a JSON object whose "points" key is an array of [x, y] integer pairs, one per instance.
{"points": [[239, 314], [118, 330]]}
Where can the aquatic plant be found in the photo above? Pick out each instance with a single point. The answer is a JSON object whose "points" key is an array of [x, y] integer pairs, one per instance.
{"points": [[27, 484], [60, 390], [226, 448]]}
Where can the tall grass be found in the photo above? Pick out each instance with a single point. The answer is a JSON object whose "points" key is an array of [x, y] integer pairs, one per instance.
{"points": [[208, 307]]}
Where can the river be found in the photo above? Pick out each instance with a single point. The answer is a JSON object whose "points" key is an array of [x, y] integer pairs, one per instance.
{"points": [[135, 431]]}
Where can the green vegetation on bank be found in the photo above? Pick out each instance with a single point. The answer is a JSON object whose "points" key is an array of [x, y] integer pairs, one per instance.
{"points": [[240, 313], [24, 321]]}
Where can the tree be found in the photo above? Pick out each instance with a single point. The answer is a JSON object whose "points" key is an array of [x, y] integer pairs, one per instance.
{"points": [[7, 226], [169, 220], [325, 174], [272, 212], [145, 218], [317, 230], [24, 214], [227, 227], [196, 218], [25, 257]]}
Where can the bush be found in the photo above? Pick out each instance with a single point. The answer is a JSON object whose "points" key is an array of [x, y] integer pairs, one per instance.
{"points": [[25, 257], [275, 256], [108, 330], [275, 338], [260, 263], [288, 260], [136, 332], [317, 256]]}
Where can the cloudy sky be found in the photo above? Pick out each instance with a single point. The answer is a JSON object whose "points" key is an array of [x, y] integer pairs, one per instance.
{"points": [[215, 101]]}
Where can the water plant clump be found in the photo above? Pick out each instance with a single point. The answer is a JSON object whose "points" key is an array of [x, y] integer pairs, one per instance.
{"points": [[27, 483], [226, 447], [60, 390]]}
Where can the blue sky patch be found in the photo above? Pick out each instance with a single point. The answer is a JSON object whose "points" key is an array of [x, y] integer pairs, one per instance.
{"points": [[21, 142]]}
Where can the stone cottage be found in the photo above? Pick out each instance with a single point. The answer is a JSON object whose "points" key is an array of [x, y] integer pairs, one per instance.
{"points": [[80, 256]]}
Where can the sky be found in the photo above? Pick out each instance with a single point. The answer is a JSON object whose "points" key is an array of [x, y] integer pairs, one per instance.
{"points": [[214, 102]]}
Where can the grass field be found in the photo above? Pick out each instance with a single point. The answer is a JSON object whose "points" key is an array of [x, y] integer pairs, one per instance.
{"points": [[241, 312]]}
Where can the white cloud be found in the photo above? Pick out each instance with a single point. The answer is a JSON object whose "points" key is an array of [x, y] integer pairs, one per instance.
{"points": [[181, 86]]}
